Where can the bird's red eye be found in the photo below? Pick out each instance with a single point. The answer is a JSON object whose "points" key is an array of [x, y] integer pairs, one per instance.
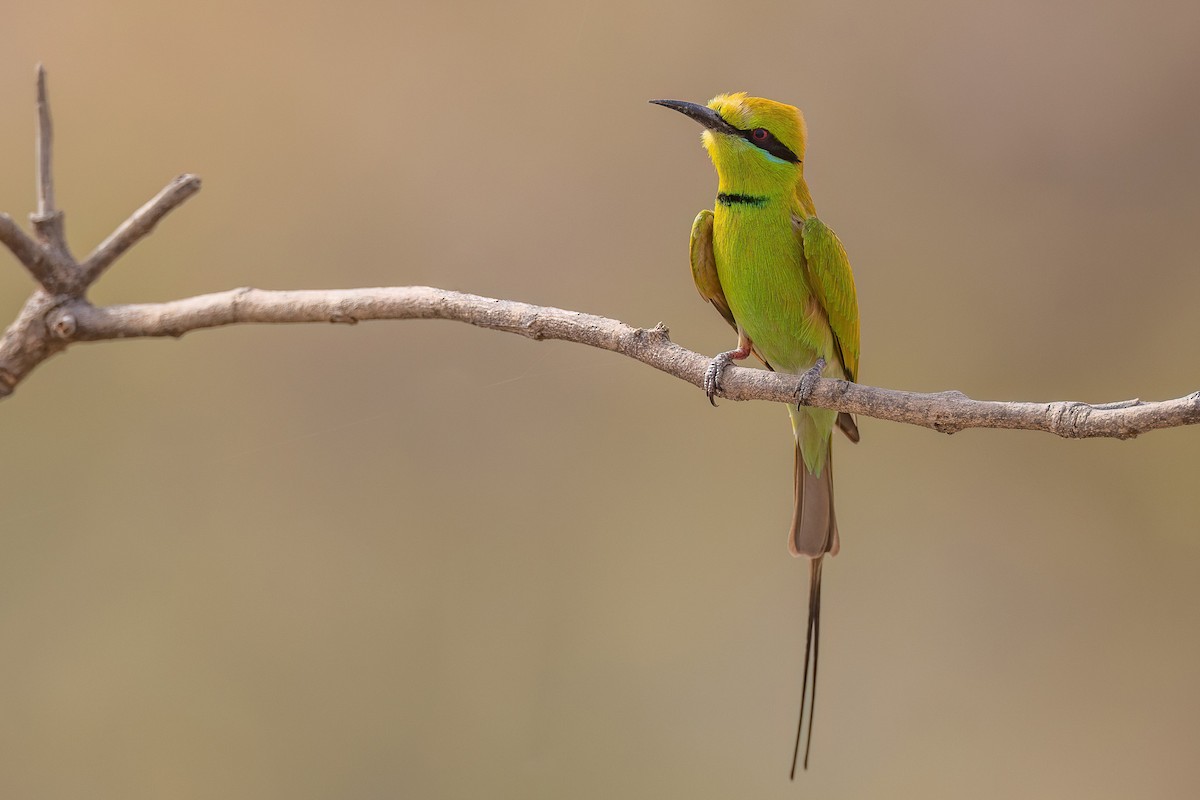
{"points": [[760, 134]]}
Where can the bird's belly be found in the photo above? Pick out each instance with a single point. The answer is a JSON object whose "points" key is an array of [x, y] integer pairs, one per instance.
{"points": [[764, 282]]}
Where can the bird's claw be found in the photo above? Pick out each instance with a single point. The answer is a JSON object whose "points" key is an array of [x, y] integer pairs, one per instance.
{"points": [[712, 376], [808, 381]]}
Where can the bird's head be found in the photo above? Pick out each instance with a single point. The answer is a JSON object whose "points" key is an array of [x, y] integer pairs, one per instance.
{"points": [[757, 145]]}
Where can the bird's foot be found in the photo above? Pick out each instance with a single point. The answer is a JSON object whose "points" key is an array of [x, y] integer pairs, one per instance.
{"points": [[808, 382], [712, 375]]}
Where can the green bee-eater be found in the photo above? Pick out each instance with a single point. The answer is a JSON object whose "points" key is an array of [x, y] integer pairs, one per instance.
{"points": [[781, 278]]}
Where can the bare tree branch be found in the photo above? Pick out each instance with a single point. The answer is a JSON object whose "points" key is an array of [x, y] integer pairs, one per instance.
{"points": [[59, 315], [946, 411]]}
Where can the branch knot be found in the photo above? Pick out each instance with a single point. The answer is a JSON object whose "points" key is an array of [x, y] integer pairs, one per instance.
{"points": [[61, 323]]}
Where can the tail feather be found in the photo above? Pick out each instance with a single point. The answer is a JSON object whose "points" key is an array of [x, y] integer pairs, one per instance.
{"points": [[812, 647], [814, 523], [814, 533]]}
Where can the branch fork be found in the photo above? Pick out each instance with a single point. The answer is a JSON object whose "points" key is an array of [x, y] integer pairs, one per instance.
{"points": [[45, 326]]}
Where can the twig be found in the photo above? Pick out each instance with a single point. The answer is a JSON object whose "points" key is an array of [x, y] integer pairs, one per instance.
{"points": [[139, 225], [26, 250], [50, 259], [45, 142], [48, 220]]}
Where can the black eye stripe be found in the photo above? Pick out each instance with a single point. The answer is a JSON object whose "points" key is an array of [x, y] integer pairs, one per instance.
{"points": [[770, 145]]}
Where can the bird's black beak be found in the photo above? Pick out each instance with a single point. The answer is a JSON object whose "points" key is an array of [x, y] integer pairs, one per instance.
{"points": [[702, 114]]}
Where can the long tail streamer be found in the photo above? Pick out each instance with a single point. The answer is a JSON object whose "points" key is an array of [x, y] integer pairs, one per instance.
{"points": [[812, 647]]}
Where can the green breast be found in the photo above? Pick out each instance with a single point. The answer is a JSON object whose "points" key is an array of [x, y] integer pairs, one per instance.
{"points": [[761, 267]]}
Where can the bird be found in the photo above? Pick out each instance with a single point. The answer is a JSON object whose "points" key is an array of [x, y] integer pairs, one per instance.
{"points": [[781, 278]]}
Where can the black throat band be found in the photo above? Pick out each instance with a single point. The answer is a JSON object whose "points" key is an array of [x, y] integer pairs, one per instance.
{"points": [[740, 200]]}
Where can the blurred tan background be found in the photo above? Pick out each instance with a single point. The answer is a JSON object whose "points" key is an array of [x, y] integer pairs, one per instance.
{"points": [[425, 560]]}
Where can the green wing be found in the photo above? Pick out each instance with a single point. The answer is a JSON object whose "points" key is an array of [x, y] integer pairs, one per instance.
{"points": [[704, 266], [830, 276]]}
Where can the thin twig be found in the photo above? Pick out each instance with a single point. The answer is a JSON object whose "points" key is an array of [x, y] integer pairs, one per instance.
{"points": [[48, 223], [139, 225], [27, 251], [45, 142]]}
